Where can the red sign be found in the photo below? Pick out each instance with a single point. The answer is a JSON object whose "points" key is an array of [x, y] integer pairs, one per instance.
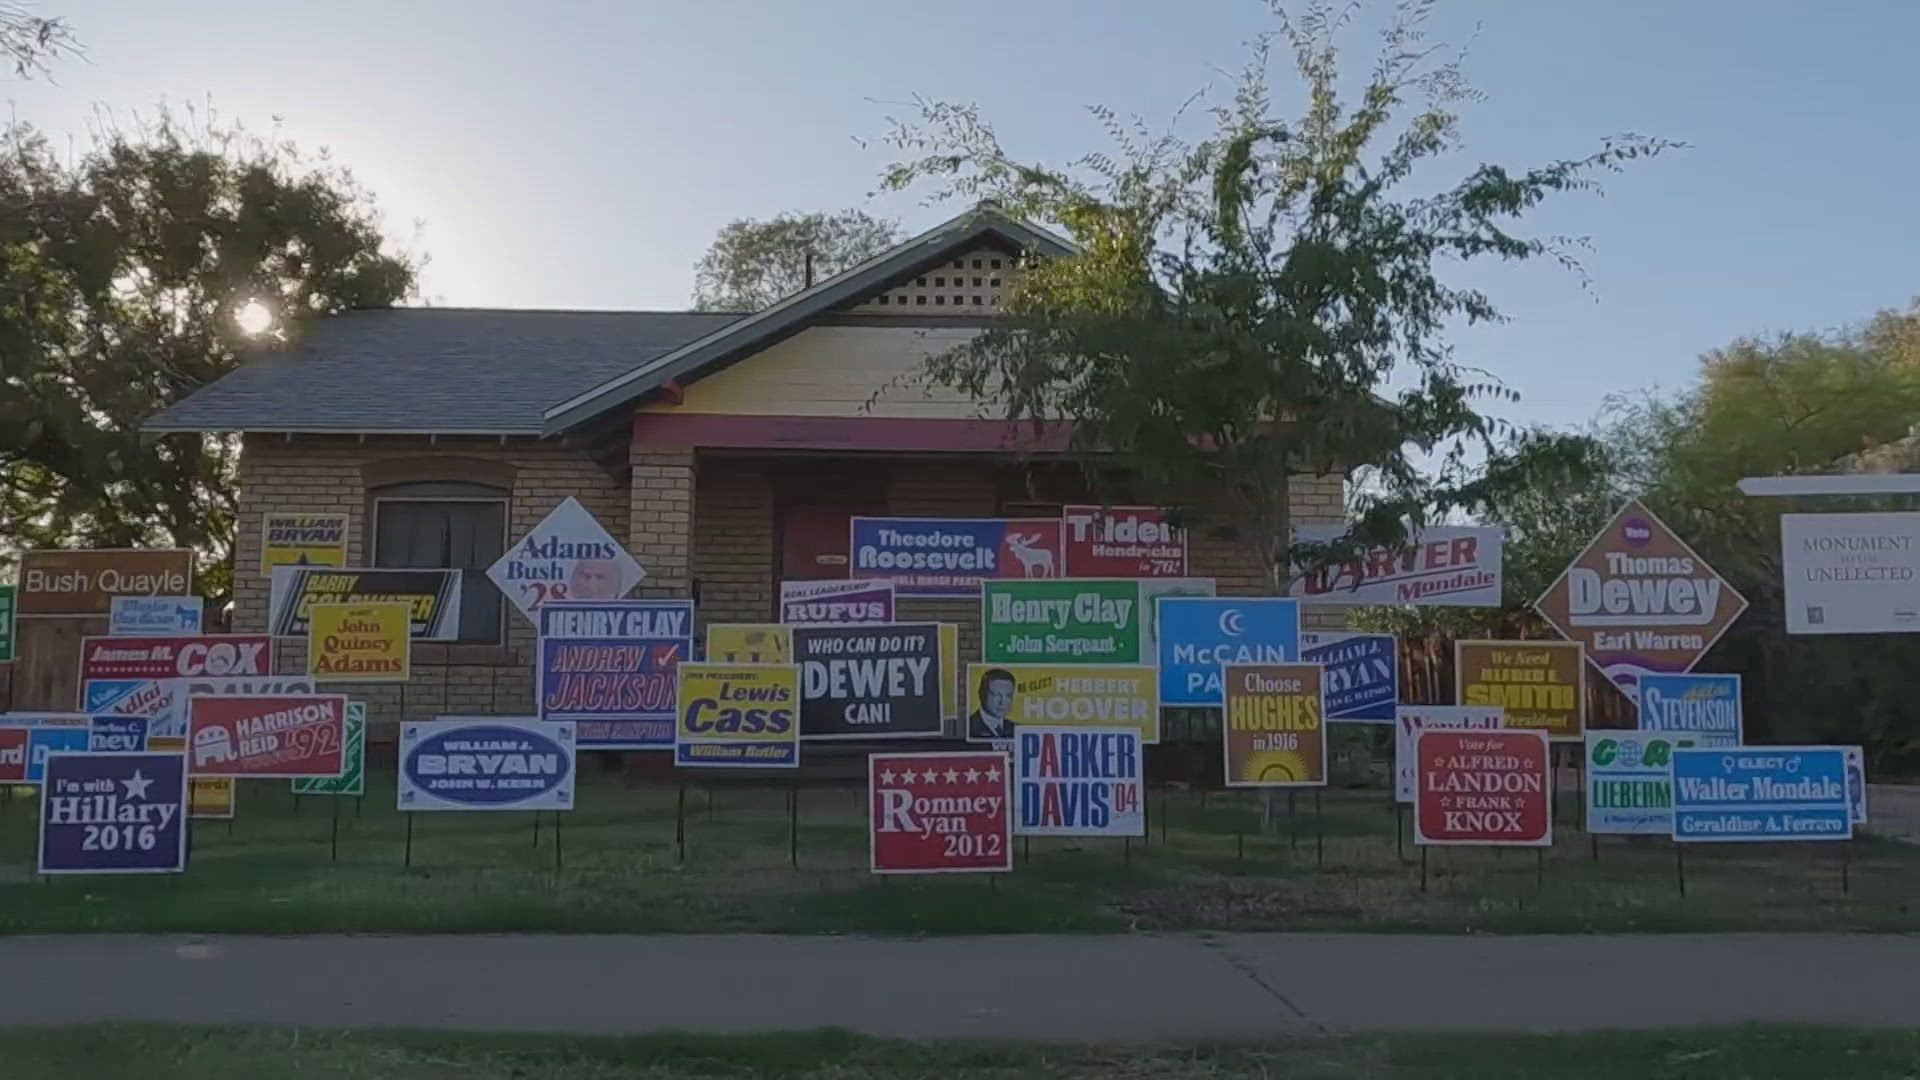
{"points": [[13, 753], [1121, 542], [939, 813], [211, 655], [1489, 788], [293, 735]]}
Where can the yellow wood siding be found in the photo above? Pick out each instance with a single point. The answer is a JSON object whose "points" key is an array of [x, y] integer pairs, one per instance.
{"points": [[834, 371]]}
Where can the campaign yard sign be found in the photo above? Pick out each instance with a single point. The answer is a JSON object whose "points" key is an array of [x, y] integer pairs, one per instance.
{"points": [[1122, 542], [568, 556], [114, 813], [1630, 781], [85, 581], [302, 540], [117, 734], [210, 797], [1851, 573], [432, 597], [1079, 782], [1443, 566], [836, 601], [741, 716], [1703, 708], [869, 680], [749, 643], [608, 666], [285, 735], [1411, 720], [939, 813], [1484, 788], [1276, 733], [1362, 677], [1761, 793], [1640, 600], [155, 616], [8, 604], [1199, 634], [1540, 684], [486, 763], [13, 752], [353, 778], [1071, 621], [951, 556], [366, 643], [152, 676], [1003, 697]]}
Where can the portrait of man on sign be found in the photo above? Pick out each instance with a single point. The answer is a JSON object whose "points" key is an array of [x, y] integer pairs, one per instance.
{"points": [[994, 718], [594, 579]]}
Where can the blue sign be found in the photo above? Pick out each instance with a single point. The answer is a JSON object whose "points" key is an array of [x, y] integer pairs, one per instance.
{"points": [[491, 763], [1756, 793], [1362, 677], [155, 616], [113, 814], [45, 740], [951, 556], [1706, 707], [1200, 633], [610, 665], [117, 734]]}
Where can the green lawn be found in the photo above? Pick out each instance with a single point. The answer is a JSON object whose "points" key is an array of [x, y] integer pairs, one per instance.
{"points": [[165, 1053], [1205, 865]]}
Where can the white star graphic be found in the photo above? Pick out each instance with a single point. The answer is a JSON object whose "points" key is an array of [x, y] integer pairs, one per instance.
{"points": [[930, 776], [137, 785], [886, 776], [953, 776], [973, 776], [993, 775]]}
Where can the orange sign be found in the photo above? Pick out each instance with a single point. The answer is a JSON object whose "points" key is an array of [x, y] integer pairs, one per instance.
{"points": [[1541, 684], [1640, 600], [77, 582]]}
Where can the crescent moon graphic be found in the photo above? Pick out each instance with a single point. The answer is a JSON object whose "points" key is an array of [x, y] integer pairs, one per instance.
{"points": [[1231, 623]]}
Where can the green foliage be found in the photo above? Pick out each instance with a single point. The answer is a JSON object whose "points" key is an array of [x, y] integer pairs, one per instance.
{"points": [[121, 270], [1268, 301], [1797, 403], [755, 264]]}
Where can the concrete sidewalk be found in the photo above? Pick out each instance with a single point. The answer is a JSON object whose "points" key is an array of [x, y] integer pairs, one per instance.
{"points": [[1058, 988]]}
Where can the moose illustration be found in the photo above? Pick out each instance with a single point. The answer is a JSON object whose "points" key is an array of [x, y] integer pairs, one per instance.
{"points": [[1034, 561]]}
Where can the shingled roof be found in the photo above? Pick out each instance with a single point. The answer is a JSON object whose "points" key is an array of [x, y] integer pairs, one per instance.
{"points": [[469, 371], [441, 371]]}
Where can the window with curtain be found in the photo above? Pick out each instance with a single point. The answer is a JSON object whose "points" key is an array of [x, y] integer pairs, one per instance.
{"points": [[448, 525]]}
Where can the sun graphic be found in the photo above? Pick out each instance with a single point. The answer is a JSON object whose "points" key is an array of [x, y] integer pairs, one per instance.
{"points": [[1274, 766]]}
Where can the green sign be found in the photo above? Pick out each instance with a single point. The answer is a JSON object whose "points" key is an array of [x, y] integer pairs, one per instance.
{"points": [[354, 780], [7, 593], [1061, 621]]}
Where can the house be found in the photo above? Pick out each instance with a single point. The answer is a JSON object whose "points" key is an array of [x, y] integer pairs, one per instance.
{"points": [[726, 451]]}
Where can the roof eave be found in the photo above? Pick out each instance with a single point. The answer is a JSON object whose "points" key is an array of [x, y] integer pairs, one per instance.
{"points": [[785, 317]]}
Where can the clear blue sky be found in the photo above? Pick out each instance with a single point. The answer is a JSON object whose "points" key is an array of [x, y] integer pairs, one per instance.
{"points": [[581, 153]]}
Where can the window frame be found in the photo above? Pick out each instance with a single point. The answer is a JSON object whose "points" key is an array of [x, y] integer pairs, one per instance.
{"points": [[504, 501]]}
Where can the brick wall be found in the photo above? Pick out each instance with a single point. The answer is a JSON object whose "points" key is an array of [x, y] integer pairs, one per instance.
{"points": [[321, 475]]}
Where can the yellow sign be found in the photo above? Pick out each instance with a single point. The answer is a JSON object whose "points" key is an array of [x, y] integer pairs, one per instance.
{"points": [[1276, 733], [358, 642], [1541, 684], [302, 540], [210, 796], [949, 663], [1001, 697], [750, 643], [740, 716]]}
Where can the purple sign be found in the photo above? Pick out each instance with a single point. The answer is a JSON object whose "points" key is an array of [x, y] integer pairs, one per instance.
{"points": [[836, 601], [113, 814]]}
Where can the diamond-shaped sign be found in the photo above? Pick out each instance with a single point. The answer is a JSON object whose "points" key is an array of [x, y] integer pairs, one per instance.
{"points": [[1640, 600], [568, 556]]}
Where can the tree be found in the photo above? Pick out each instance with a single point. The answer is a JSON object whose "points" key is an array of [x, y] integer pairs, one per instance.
{"points": [[1267, 302], [755, 264], [121, 273], [28, 41]]}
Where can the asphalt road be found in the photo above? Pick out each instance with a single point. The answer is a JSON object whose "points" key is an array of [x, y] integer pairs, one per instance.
{"points": [[1057, 988]]}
